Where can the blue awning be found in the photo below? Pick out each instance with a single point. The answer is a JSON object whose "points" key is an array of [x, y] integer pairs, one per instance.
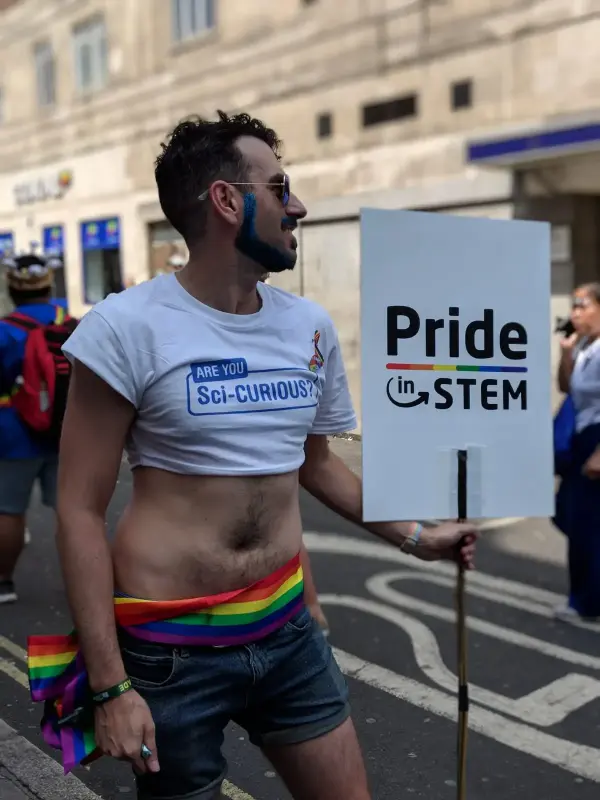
{"points": [[536, 145]]}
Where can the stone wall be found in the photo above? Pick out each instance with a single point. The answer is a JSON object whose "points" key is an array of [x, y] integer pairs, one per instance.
{"points": [[528, 60]]}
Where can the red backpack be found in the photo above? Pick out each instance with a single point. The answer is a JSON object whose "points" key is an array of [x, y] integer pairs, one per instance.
{"points": [[40, 393]]}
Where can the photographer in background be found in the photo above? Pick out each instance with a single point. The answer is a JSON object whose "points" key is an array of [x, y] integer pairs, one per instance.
{"points": [[578, 499]]}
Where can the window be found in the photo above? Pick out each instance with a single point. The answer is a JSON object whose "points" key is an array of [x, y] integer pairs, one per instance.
{"points": [[192, 18], [91, 68], [390, 110], [100, 242], [461, 95], [53, 238], [102, 271], [44, 71], [324, 126]]}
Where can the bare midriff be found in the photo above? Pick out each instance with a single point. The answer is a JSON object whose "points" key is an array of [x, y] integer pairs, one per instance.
{"points": [[185, 536]]}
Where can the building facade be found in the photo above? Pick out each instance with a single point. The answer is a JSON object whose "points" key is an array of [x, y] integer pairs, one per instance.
{"points": [[480, 107]]}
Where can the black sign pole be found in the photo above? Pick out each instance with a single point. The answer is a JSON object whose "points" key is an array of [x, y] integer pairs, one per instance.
{"points": [[463, 686]]}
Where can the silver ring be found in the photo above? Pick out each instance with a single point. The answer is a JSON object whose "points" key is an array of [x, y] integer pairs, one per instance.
{"points": [[145, 752]]}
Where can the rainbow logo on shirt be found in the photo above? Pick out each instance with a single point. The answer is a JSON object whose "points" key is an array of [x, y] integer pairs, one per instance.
{"points": [[317, 361]]}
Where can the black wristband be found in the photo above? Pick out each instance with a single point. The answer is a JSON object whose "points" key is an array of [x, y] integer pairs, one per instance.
{"points": [[112, 692]]}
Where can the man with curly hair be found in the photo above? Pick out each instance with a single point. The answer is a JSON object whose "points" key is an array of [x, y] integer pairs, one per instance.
{"points": [[223, 390]]}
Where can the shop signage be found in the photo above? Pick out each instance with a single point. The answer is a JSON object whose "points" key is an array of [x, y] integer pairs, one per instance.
{"points": [[100, 234], [54, 240], [50, 187], [7, 243]]}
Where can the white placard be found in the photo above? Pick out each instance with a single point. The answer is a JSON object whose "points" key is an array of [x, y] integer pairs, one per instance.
{"points": [[455, 355]]}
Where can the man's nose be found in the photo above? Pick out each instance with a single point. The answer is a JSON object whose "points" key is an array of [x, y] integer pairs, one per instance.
{"points": [[295, 208]]}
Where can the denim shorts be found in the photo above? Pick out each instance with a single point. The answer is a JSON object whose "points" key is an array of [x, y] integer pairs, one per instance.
{"points": [[285, 689], [17, 478]]}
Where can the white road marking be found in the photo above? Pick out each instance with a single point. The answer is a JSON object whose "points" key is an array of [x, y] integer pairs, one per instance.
{"points": [[13, 649], [378, 586], [532, 607], [578, 759], [543, 606], [347, 545], [235, 793], [14, 672], [545, 707]]}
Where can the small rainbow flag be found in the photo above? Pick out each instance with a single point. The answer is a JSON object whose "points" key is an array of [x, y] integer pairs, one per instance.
{"points": [[57, 677], [57, 673]]}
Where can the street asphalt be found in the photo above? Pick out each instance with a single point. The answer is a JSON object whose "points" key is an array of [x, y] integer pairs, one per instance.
{"points": [[535, 683]]}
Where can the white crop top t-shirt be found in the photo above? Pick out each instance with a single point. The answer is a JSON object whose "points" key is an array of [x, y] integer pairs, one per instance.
{"points": [[217, 393]]}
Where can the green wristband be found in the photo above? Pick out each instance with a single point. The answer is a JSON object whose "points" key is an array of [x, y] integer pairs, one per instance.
{"points": [[112, 692]]}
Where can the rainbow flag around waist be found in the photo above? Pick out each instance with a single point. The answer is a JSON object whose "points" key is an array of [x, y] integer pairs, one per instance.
{"points": [[57, 673]]}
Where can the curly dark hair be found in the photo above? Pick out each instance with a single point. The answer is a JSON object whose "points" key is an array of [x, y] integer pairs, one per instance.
{"points": [[198, 152]]}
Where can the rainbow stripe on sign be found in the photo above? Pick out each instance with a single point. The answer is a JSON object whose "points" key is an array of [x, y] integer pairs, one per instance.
{"points": [[453, 368]]}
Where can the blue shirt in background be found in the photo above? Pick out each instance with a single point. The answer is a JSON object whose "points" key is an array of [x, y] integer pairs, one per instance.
{"points": [[15, 438]]}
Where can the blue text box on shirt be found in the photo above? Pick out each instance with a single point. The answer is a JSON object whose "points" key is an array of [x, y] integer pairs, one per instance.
{"points": [[255, 391], [223, 370]]}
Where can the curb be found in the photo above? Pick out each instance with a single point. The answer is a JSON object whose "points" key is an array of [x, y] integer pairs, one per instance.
{"points": [[10, 790], [36, 773]]}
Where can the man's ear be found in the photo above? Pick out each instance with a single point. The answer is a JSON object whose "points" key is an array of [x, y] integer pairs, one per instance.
{"points": [[227, 203]]}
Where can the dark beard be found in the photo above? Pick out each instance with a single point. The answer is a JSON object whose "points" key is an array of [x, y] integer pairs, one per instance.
{"points": [[270, 258]]}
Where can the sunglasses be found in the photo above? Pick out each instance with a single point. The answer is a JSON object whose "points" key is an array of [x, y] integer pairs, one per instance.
{"points": [[283, 185]]}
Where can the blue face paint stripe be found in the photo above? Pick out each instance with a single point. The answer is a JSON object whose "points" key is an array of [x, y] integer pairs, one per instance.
{"points": [[248, 228], [272, 259]]}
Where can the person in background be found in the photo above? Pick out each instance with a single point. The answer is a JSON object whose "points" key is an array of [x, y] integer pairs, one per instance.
{"points": [[578, 499], [23, 459]]}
